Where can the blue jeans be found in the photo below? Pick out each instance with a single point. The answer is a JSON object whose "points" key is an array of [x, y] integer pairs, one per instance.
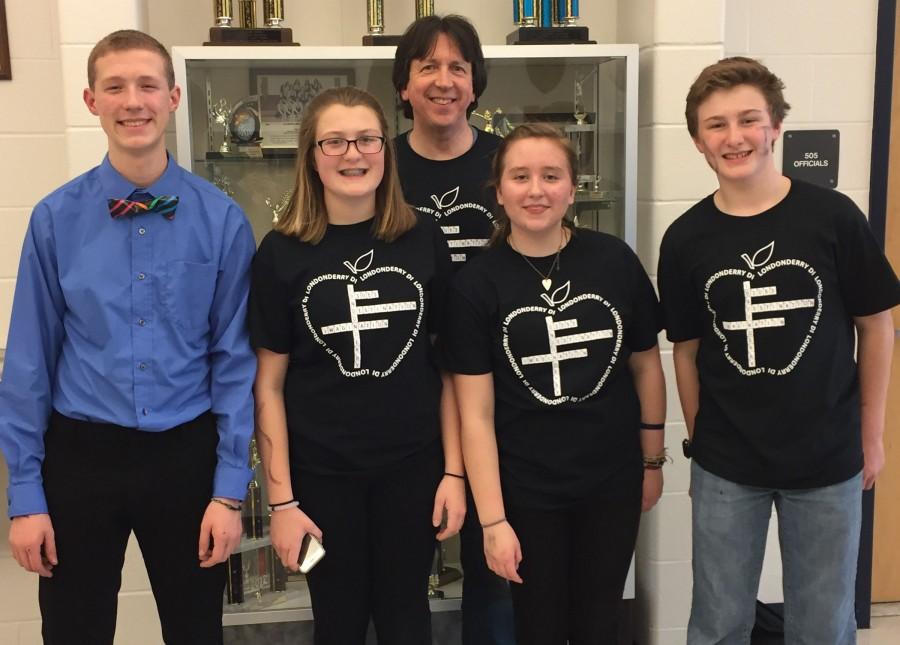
{"points": [[818, 530]]}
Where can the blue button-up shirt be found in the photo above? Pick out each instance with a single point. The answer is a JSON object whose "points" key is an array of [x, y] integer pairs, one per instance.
{"points": [[138, 321]]}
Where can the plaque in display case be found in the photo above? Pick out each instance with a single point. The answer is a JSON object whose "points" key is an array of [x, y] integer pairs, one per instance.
{"points": [[588, 91]]}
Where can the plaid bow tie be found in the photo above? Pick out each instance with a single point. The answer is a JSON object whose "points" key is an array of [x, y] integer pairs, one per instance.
{"points": [[144, 203]]}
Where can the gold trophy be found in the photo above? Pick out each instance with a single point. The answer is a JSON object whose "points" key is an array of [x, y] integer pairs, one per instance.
{"points": [[253, 521], [424, 8], [495, 122], [247, 11], [583, 133], [375, 21], [220, 113], [273, 13], [375, 25], [279, 207], [271, 33], [224, 12]]}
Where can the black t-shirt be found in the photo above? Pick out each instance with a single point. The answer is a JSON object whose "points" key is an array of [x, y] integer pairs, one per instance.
{"points": [[772, 299], [567, 414], [454, 192], [362, 390]]}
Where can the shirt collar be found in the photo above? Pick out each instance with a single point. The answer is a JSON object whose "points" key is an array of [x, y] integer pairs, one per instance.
{"points": [[115, 186]]}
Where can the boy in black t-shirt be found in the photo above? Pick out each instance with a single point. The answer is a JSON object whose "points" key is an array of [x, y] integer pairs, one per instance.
{"points": [[763, 284], [444, 165]]}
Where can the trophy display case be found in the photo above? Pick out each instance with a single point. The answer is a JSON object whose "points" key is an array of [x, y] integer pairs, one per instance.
{"points": [[237, 127], [238, 122]]}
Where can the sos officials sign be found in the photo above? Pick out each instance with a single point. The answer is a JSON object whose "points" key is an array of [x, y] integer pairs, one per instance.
{"points": [[812, 155]]}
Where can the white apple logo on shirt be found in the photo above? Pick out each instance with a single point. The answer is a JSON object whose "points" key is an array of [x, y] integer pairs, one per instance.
{"points": [[773, 309], [350, 308], [577, 361]]}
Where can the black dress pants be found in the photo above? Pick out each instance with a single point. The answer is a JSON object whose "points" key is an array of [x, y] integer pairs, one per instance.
{"points": [[102, 482], [379, 543], [574, 565]]}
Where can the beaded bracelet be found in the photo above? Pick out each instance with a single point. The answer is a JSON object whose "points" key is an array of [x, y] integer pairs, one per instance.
{"points": [[655, 462], [283, 506], [228, 505]]}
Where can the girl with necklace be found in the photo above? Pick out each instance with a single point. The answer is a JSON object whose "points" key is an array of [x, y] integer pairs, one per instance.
{"points": [[552, 338]]}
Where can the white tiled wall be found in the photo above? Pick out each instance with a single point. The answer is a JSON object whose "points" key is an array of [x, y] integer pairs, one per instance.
{"points": [[47, 137], [30, 132]]}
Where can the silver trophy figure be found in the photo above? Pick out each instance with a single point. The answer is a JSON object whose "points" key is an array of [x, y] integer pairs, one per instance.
{"points": [[220, 113], [279, 207]]}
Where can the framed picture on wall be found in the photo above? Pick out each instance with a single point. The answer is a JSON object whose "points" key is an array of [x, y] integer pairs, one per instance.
{"points": [[283, 95], [5, 68]]}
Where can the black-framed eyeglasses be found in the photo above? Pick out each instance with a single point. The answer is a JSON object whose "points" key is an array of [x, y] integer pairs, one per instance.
{"points": [[367, 144]]}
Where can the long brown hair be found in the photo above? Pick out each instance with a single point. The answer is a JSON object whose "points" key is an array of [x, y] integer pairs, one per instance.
{"points": [[527, 131], [305, 216]]}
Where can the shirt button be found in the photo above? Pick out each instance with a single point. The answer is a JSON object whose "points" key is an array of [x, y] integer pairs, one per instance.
{"points": [[142, 230], [141, 276], [142, 322], [142, 366], [145, 411]]}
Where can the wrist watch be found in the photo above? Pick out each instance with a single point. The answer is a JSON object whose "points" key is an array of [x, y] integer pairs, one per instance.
{"points": [[687, 449]]}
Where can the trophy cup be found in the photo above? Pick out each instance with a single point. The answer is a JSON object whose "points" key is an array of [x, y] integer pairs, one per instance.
{"points": [[280, 207], [375, 25], [434, 578], [583, 135], [273, 13], [375, 21], [224, 15], [247, 11], [219, 113], [495, 121], [271, 33], [223, 183], [547, 22], [424, 8], [488, 117], [253, 520]]}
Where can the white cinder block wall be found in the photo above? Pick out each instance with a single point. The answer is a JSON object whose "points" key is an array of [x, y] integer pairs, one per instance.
{"points": [[32, 162], [677, 39], [823, 49], [47, 137]]}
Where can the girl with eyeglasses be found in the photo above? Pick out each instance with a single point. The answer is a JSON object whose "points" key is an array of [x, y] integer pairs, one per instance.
{"points": [[345, 296]]}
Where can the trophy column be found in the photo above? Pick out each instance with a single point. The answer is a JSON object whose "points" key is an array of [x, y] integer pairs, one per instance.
{"points": [[546, 22], [375, 25], [271, 33], [424, 8]]}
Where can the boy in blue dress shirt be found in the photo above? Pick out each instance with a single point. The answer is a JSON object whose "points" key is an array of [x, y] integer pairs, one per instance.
{"points": [[125, 403]]}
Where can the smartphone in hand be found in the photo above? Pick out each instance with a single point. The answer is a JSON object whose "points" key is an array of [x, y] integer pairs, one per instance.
{"points": [[311, 551]]}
